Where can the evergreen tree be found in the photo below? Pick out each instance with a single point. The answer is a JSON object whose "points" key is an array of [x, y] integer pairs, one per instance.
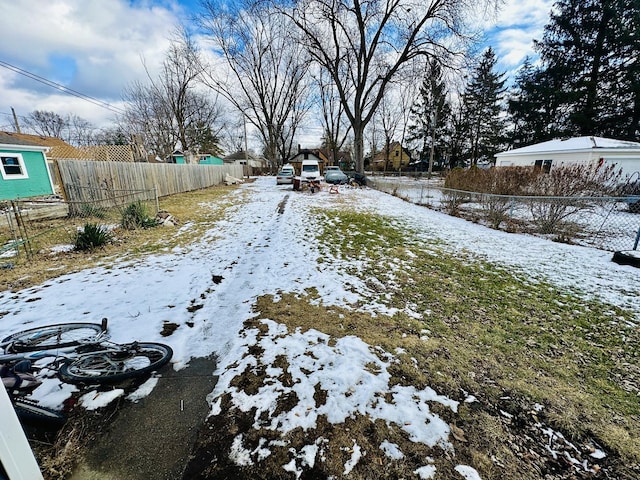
{"points": [[483, 108], [587, 82], [534, 110], [429, 115]]}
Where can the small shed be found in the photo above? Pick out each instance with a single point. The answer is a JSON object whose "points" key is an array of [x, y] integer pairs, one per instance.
{"points": [[177, 157], [23, 168], [208, 159], [578, 150]]}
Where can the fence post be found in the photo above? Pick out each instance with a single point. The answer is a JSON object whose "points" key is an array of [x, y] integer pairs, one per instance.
{"points": [[635, 245], [155, 194]]}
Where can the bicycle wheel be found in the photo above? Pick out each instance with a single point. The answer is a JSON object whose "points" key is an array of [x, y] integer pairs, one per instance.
{"points": [[34, 414], [51, 336], [114, 365]]}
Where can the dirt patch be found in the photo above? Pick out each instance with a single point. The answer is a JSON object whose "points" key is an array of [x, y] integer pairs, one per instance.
{"points": [[153, 438]]}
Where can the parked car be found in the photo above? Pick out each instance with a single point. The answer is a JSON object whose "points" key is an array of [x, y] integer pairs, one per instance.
{"points": [[284, 177], [335, 175]]}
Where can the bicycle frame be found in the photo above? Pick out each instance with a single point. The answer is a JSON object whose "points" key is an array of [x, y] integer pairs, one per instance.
{"points": [[53, 352], [66, 353], [38, 355], [81, 353]]}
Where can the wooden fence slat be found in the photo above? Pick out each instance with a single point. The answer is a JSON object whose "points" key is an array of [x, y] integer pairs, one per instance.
{"points": [[87, 181]]}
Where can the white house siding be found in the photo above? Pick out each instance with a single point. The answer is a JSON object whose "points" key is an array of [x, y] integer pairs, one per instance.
{"points": [[579, 150]]}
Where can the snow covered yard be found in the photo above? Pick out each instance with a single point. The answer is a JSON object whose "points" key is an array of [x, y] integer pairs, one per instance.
{"points": [[360, 336]]}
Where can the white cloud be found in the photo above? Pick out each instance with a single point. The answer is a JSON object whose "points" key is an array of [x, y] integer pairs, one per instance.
{"points": [[524, 13], [512, 30], [96, 47], [92, 46]]}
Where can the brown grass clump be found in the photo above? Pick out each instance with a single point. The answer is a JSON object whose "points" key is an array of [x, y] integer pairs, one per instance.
{"points": [[44, 263]]}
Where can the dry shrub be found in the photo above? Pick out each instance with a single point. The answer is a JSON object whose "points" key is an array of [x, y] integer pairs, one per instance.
{"points": [[498, 181], [569, 188], [497, 184], [568, 185]]}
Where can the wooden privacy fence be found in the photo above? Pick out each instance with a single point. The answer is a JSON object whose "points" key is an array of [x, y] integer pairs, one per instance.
{"points": [[85, 181]]}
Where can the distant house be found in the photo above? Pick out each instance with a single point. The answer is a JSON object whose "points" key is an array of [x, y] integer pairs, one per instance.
{"points": [[245, 158], [397, 158], [577, 150], [177, 157], [342, 158], [308, 154], [183, 158], [24, 172], [208, 159]]}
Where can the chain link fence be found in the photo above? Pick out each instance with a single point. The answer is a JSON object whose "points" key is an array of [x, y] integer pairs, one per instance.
{"points": [[86, 201], [606, 223], [22, 222]]}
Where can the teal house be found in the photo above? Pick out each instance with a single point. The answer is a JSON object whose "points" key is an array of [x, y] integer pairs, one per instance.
{"points": [[208, 159], [177, 157], [23, 168], [180, 158]]}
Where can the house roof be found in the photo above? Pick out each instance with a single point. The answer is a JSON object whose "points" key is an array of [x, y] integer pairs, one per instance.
{"points": [[57, 148], [298, 157], [10, 138], [574, 144], [240, 156]]}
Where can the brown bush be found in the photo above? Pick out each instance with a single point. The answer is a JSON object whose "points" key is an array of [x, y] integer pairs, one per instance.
{"points": [[498, 181], [565, 184]]}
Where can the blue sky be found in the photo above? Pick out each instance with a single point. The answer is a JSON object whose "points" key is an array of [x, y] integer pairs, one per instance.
{"points": [[97, 47]]}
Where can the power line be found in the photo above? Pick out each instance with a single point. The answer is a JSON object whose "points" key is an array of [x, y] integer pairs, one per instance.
{"points": [[61, 87]]}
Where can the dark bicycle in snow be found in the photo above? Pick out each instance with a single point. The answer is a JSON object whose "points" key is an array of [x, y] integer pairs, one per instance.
{"points": [[80, 354]]}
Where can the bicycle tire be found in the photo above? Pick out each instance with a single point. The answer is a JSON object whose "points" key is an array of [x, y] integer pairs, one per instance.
{"points": [[34, 414], [135, 360], [60, 335]]}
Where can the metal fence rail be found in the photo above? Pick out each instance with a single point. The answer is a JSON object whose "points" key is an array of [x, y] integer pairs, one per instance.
{"points": [[606, 223], [104, 198]]}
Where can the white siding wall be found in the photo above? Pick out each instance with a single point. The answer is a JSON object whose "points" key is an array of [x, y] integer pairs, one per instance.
{"points": [[629, 163]]}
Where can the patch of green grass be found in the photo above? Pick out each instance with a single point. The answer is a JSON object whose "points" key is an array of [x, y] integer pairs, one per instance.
{"points": [[492, 331]]}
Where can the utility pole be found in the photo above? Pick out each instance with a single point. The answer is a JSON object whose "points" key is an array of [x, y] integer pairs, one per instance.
{"points": [[246, 154], [15, 121], [434, 120]]}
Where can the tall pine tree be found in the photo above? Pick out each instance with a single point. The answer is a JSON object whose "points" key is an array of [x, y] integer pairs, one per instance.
{"points": [[483, 108], [429, 115], [533, 108], [587, 82]]}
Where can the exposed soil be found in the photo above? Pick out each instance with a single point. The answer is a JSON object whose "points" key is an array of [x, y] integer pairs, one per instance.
{"points": [[153, 438]]}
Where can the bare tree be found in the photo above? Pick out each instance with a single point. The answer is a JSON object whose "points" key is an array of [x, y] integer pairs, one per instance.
{"points": [[391, 116], [47, 124], [71, 128], [365, 45], [147, 114], [267, 71], [173, 108], [81, 132], [335, 126]]}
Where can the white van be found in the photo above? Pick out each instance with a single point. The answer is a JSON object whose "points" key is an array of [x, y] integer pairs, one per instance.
{"points": [[310, 170], [288, 168]]}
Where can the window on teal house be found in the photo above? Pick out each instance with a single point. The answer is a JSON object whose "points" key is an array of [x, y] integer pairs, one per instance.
{"points": [[12, 166]]}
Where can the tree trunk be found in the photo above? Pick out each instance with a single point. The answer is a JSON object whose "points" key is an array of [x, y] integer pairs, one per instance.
{"points": [[358, 147]]}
